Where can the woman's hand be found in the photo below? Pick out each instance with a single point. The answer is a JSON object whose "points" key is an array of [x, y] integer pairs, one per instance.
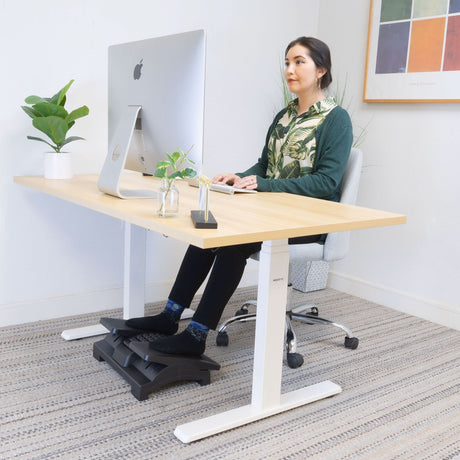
{"points": [[248, 182], [225, 179]]}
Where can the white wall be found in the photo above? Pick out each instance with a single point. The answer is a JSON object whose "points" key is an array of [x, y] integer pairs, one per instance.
{"points": [[56, 258], [411, 164]]}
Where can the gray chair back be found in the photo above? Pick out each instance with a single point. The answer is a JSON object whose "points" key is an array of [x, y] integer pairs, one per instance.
{"points": [[337, 244]]}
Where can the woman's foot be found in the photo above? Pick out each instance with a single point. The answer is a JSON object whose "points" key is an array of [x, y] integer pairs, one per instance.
{"points": [[184, 343], [162, 323]]}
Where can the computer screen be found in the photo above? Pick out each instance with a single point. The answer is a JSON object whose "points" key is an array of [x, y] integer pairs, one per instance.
{"points": [[155, 105]]}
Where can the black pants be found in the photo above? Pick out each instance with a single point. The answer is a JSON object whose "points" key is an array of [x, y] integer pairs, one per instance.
{"points": [[227, 265]]}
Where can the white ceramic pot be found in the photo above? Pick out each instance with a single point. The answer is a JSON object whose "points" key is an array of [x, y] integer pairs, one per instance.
{"points": [[57, 165]]}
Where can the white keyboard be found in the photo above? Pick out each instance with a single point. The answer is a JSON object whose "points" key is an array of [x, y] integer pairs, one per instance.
{"points": [[222, 188]]}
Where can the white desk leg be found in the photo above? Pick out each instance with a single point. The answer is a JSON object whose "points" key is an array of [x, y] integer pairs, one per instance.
{"points": [[135, 248], [266, 385], [135, 242]]}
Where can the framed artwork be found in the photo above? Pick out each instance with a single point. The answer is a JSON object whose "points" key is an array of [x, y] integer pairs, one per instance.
{"points": [[413, 51]]}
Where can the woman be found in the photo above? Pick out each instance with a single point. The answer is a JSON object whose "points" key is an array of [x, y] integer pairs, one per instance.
{"points": [[305, 153]]}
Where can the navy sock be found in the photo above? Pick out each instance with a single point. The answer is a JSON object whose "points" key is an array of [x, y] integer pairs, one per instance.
{"points": [[198, 331], [174, 310]]}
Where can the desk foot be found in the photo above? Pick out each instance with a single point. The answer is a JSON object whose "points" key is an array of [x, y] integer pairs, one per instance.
{"points": [[147, 370], [199, 429], [83, 332]]}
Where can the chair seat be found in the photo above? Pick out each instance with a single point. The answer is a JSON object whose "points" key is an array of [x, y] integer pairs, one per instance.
{"points": [[312, 251]]}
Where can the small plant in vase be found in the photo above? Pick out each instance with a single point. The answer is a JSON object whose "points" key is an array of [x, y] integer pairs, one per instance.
{"points": [[51, 118], [168, 171]]}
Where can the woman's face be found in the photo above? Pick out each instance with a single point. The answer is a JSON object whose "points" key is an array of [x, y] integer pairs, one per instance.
{"points": [[301, 73]]}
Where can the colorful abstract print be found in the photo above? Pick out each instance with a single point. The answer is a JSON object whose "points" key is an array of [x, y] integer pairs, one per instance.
{"points": [[418, 36]]}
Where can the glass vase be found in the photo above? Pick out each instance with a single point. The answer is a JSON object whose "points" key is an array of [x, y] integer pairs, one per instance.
{"points": [[168, 198]]}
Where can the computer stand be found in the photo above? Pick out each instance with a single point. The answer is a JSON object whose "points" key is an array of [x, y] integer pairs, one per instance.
{"points": [[127, 135], [127, 351]]}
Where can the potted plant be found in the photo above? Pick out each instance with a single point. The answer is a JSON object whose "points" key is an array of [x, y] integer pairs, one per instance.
{"points": [[51, 118], [168, 171]]}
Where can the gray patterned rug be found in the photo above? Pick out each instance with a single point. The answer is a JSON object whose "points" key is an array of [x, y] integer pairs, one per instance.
{"points": [[400, 399]]}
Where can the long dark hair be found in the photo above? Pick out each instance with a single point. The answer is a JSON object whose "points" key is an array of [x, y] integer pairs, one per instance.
{"points": [[320, 54]]}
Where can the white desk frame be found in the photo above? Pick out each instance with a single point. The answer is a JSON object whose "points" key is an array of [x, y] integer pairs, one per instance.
{"points": [[266, 397]]}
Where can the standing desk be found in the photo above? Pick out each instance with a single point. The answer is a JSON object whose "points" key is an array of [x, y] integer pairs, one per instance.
{"points": [[242, 218]]}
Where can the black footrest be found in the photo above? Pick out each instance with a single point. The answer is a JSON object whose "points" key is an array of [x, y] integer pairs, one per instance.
{"points": [[143, 350], [145, 369], [119, 327]]}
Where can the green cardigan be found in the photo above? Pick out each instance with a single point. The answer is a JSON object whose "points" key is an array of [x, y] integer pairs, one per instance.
{"points": [[334, 138]]}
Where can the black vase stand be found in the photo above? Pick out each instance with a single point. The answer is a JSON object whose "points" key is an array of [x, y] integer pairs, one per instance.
{"points": [[127, 351]]}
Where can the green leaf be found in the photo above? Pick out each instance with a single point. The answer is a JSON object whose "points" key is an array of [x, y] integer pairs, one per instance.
{"points": [[54, 127], [162, 164], [58, 97], [30, 111], [33, 138], [77, 113], [45, 109], [71, 139], [188, 172], [160, 173], [175, 156], [175, 174], [35, 100]]}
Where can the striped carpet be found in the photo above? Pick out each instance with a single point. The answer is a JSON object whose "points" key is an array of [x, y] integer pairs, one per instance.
{"points": [[400, 399]]}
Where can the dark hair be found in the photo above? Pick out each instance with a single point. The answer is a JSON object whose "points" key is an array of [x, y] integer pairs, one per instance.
{"points": [[320, 54]]}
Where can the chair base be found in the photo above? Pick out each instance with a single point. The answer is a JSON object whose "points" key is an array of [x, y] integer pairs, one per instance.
{"points": [[298, 313]]}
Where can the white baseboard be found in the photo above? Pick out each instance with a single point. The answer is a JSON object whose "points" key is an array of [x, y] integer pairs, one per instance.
{"points": [[88, 302], [57, 307], [428, 309], [70, 305]]}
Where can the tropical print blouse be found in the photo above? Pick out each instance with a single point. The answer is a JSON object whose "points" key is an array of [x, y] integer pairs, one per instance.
{"points": [[292, 145]]}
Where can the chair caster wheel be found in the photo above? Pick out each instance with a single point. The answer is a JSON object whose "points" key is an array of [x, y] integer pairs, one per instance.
{"points": [[241, 311], [294, 360], [314, 311], [222, 339], [351, 342]]}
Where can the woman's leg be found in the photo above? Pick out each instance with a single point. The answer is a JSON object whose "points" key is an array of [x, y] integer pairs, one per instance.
{"points": [[225, 276], [192, 272]]}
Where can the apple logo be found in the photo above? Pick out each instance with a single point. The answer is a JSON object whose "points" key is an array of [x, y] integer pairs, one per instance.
{"points": [[137, 70]]}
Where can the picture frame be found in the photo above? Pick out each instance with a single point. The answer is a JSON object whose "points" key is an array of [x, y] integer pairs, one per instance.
{"points": [[413, 51]]}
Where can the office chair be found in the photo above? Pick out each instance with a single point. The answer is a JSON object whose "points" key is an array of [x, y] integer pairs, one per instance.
{"points": [[334, 248]]}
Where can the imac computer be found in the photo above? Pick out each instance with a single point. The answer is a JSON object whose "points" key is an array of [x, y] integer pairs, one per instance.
{"points": [[155, 106]]}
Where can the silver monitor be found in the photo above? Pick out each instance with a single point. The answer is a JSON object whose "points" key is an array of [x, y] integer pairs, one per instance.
{"points": [[155, 104]]}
